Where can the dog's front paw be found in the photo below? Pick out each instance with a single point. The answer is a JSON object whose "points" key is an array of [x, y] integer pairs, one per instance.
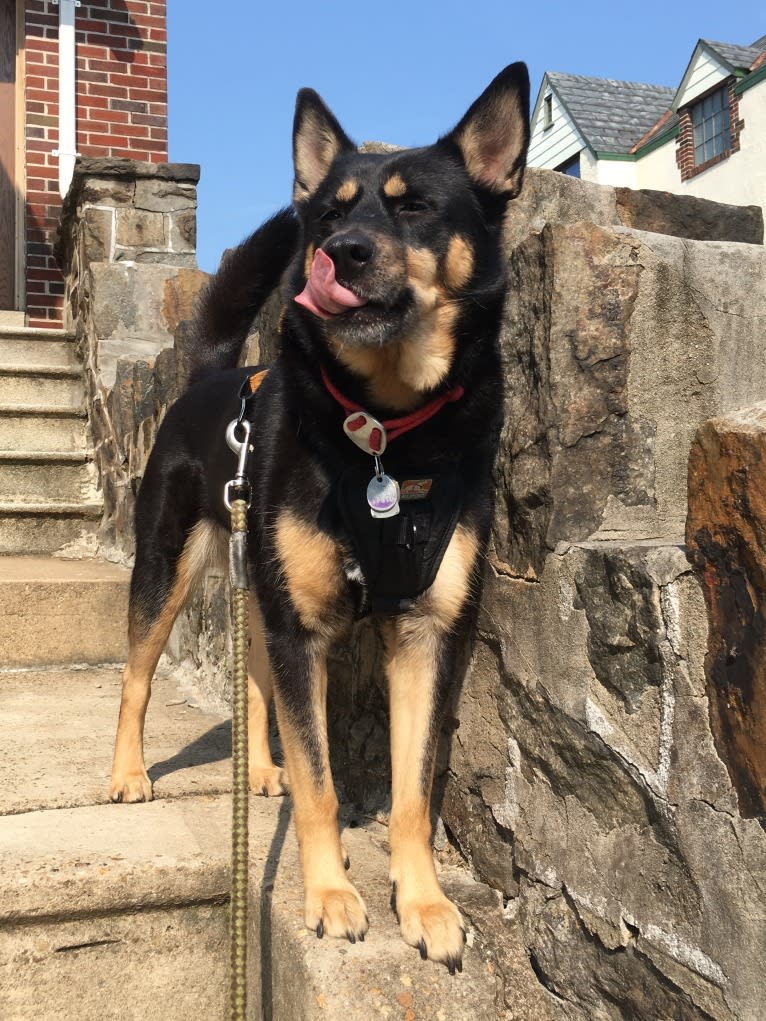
{"points": [[435, 927], [130, 787], [270, 781], [337, 912]]}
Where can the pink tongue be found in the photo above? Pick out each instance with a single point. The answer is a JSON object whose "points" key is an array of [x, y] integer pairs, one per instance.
{"points": [[323, 295]]}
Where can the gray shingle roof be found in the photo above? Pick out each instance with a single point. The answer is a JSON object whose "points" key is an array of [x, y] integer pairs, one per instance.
{"points": [[737, 56], [611, 115]]}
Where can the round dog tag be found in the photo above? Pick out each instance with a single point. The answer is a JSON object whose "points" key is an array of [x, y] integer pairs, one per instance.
{"points": [[383, 496], [367, 432]]}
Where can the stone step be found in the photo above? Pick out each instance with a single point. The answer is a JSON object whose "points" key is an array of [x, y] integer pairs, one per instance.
{"points": [[41, 385], [32, 346], [46, 477], [120, 910], [33, 529], [56, 611], [42, 428]]}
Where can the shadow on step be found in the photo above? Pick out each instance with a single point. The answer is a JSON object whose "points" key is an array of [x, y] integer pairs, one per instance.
{"points": [[270, 868], [214, 746]]}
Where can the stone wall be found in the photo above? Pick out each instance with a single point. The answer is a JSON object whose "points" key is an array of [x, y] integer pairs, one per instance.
{"points": [[584, 772], [127, 244]]}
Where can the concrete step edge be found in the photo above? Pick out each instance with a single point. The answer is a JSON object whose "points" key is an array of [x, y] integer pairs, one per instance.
{"points": [[45, 456], [83, 510], [49, 371], [33, 333], [43, 411]]}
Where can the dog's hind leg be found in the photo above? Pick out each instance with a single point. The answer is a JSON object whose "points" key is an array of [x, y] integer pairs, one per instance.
{"points": [[422, 655], [163, 578], [265, 778]]}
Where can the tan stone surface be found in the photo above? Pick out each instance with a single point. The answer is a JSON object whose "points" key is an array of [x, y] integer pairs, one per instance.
{"points": [[73, 717]]}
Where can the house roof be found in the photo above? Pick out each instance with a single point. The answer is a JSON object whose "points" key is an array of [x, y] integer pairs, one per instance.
{"points": [[737, 56], [611, 115]]}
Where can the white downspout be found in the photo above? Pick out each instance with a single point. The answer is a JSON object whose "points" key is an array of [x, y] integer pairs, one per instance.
{"points": [[67, 150]]}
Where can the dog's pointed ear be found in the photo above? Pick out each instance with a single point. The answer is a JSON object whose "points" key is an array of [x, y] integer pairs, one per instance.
{"points": [[493, 137], [317, 139]]}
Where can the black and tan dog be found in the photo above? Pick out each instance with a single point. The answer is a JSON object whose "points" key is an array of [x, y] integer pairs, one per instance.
{"points": [[396, 264]]}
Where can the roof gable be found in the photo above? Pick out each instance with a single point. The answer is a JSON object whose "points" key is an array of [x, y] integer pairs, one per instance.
{"points": [[610, 115], [711, 63]]}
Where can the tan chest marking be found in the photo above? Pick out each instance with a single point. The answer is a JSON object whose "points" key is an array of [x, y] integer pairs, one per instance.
{"points": [[399, 373], [311, 566]]}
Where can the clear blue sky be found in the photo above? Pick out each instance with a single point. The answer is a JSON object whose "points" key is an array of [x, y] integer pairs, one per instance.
{"points": [[390, 70]]}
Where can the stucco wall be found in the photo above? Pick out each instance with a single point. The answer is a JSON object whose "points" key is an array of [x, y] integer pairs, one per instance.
{"points": [[740, 179]]}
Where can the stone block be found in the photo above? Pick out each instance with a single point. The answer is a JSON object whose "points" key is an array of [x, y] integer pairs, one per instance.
{"points": [[617, 345], [726, 533], [164, 196], [166, 377], [612, 811], [107, 191], [686, 216], [180, 260], [96, 231], [126, 311], [551, 197], [137, 228], [179, 296], [183, 231]]}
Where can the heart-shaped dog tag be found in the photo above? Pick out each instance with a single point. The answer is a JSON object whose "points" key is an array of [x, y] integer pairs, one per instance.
{"points": [[367, 432]]}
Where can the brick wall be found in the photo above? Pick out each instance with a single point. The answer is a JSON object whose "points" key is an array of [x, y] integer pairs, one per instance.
{"points": [[121, 111]]}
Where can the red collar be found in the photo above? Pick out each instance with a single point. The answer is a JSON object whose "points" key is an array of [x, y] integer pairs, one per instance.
{"points": [[396, 426]]}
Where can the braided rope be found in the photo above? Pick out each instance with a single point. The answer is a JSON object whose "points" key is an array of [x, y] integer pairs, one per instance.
{"points": [[239, 793]]}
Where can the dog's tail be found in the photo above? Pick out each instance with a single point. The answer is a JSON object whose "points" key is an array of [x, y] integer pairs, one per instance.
{"points": [[234, 295]]}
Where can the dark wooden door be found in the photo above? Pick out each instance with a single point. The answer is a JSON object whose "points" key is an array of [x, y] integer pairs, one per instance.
{"points": [[7, 154]]}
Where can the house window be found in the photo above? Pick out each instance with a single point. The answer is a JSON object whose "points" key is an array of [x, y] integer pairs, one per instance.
{"points": [[548, 112], [571, 167], [710, 119]]}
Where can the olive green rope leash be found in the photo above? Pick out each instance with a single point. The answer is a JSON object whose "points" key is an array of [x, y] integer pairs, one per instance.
{"points": [[239, 792]]}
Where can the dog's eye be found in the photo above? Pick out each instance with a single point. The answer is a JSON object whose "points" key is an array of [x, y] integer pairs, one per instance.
{"points": [[329, 215], [411, 207]]}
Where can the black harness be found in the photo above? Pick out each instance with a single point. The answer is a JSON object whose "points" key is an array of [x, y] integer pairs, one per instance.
{"points": [[398, 556]]}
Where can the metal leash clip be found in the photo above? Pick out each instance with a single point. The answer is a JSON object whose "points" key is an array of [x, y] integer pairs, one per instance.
{"points": [[239, 487]]}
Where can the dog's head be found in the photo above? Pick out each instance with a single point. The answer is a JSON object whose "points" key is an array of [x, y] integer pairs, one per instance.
{"points": [[394, 243]]}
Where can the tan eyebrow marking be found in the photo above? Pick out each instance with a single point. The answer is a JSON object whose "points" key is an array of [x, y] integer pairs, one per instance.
{"points": [[347, 191], [395, 186]]}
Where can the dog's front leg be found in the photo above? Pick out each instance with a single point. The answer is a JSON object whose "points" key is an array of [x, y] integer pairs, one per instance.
{"points": [[301, 618], [332, 904], [422, 652]]}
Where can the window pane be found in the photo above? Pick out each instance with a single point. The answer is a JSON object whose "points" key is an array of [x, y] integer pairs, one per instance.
{"points": [[710, 121]]}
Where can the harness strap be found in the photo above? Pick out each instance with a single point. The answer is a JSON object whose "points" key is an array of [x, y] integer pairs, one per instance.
{"points": [[397, 426]]}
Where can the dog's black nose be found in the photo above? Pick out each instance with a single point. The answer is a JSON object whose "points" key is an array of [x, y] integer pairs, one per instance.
{"points": [[351, 252]]}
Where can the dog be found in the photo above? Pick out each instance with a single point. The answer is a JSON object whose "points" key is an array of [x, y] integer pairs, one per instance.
{"points": [[373, 440]]}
